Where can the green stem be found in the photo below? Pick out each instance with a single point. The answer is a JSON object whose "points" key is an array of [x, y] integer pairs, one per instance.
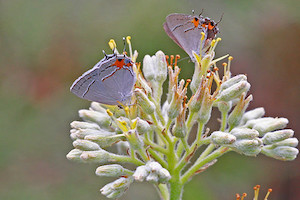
{"points": [[158, 110], [158, 158], [224, 121], [164, 192], [126, 159], [200, 162], [176, 189]]}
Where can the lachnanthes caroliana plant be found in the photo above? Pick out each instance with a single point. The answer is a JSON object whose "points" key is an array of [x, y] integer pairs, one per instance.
{"points": [[150, 140]]}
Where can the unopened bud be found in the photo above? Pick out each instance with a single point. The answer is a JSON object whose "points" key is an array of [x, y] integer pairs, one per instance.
{"points": [[113, 170], [84, 125], [85, 145], [164, 175], [270, 125], [100, 156], [149, 68], [285, 153], [93, 116], [206, 107], [152, 177], [230, 82], [224, 106], [161, 70], [147, 105], [235, 116], [142, 126], [74, 154], [82, 133], [222, 138], [233, 91], [277, 136], [291, 142], [244, 133], [105, 141], [248, 147], [253, 114], [97, 107], [141, 173], [117, 188]]}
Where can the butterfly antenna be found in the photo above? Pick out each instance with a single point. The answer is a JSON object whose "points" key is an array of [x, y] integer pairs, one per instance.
{"points": [[201, 12], [220, 19], [124, 45], [193, 11]]}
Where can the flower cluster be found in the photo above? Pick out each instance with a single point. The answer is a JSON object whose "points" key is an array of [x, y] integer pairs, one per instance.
{"points": [[154, 136]]}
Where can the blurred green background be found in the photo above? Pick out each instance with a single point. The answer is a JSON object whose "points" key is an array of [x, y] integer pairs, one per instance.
{"points": [[46, 45]]}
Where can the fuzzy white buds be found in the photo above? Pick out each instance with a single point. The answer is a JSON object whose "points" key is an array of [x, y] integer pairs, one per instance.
{"points": [[152, 172]]}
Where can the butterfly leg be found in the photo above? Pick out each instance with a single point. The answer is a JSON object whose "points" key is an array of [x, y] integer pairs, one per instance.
{"points": [[179, 25], [189, 29]]}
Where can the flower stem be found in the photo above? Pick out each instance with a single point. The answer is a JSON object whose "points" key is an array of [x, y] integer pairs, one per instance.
{"points": [[200, 162]]}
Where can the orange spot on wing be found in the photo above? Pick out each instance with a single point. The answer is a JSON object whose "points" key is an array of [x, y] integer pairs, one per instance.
{"points": [[210, 27], [119, 63], [195, 21]]}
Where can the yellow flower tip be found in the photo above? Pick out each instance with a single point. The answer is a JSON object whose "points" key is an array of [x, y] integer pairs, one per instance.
{"points": [[230, 58], [123, 123], [270, 190], [128, 38], [224, 64], [112, 44], [219, 39], [213, 42], [203, 35], [109, 113]]}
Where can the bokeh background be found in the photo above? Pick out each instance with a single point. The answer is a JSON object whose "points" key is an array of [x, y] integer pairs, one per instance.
{"points": [[45, 45]]}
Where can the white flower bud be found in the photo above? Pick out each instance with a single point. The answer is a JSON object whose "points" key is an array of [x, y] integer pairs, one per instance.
{"points": [[224, 106], [152, 177], [97, 107], [149, 68], [222, 138], [141, 173], [248, 147], [154, 166], [93, 116], [113, 170], [206, 107], [253, 114], [233, 91], [164, 175], [105, 141], [235, 116], [82, 133], [270, 125], [74, 154], [147, 105], [142, 126], [230, 82], [117, 188], [285, 153], [291, 142], [100, 156], [277, 136], [161, 70], [244, 133], [85, 145], [84, 125]]}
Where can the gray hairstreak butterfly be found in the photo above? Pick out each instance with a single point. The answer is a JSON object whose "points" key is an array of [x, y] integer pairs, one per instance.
{"points": [[110, 81], [185, 30]]}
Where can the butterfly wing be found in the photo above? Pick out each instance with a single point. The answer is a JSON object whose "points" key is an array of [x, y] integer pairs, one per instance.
{"points": [[184, 33], [105, 83]]}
